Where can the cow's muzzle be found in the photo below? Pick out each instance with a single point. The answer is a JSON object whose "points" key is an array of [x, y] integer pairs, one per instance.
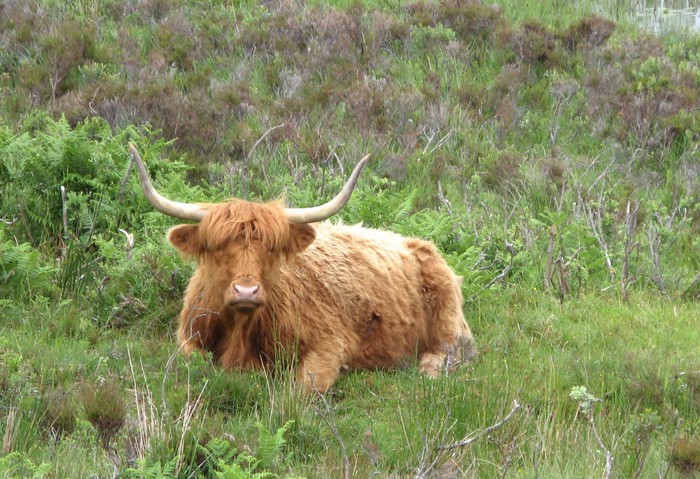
{"points": [[245, 297]]}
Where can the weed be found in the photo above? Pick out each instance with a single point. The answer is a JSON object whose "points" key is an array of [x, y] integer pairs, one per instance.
{"points": [[685, 455], [60, 417], [588, 32], [105, 408], [537, 46]]}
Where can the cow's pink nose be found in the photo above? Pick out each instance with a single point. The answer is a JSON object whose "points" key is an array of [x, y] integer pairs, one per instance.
{"points": [[246, 299], [246, 293]]}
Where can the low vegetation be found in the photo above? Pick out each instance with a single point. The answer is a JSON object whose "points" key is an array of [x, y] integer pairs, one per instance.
{"points": [[550, 151]]}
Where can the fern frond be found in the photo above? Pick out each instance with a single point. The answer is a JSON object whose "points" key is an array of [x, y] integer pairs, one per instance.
{"points": [[270, 445]]}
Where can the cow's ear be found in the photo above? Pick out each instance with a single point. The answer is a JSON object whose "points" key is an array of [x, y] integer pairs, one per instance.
{"points": [[185, 238], [300, 237]]}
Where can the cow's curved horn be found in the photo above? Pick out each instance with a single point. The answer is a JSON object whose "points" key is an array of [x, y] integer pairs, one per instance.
{"points": [[185, 211], [325, 211]]}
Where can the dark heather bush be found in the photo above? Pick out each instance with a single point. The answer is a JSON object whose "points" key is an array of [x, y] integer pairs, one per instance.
{"points": [[105, 408], [685, 455], [60, 416], [589, 32]]}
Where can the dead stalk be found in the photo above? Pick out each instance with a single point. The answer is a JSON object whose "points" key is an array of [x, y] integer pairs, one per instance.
{"points": [[329, 419], [152, 423], [255, 145], [429, 459], [594, 218], [10, 424], [129, 243], [476, 436], [606, 451], [630, 246], [445, 202], [64, 202], [502, 275], [550, 253]]}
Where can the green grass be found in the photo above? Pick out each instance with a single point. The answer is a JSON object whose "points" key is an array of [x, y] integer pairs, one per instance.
{"points": [[532, 117], [629, 355]]}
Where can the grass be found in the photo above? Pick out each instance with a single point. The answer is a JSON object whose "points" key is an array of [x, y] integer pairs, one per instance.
{"points": [[629, 355], [513, 136]]}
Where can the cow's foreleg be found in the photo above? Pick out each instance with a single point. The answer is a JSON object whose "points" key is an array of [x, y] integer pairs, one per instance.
{"points": [[431, 364], [318, 372]]}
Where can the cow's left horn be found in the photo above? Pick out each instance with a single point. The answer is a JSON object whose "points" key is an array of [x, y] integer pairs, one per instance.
{"points": [[325, 211], [184, 211]]}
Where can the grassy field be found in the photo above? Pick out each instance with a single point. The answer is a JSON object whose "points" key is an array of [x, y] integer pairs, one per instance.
{"points": [[549, 149], [640, 360]]}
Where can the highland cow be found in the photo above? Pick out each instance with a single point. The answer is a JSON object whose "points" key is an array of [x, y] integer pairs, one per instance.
{"points": [[274, 281]]}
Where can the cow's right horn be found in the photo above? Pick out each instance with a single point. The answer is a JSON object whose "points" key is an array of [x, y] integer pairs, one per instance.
{"points": [[326, 210], [185, 211]]}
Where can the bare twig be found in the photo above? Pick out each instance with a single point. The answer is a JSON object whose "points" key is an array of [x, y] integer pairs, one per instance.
{"points": [[255, 145], [476, 436], [64, 201], [594, 217], [430, 137], [606, 451], [269, 130], [10, 430], [429, 459], [441, 196], [129, 243], [561, 99], [605, 172], [655, 227], [550, 257], [630, 245], [329, 419], [654, 237], [514, 190], [503, 274], [327, 162], [577, 181], [441, 142]]}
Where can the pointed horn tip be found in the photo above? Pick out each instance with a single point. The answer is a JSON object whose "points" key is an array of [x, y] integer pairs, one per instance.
{"points": [[134, 151]]}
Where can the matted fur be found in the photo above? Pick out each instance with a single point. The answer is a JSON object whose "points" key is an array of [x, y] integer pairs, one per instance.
{"points": [[337, 297]]}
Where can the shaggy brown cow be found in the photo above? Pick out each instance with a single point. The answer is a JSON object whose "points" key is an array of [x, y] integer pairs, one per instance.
{"points": [[340, 297]]}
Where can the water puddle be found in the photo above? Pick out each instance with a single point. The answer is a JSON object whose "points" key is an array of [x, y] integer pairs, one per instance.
{"points": [[665, 16]]}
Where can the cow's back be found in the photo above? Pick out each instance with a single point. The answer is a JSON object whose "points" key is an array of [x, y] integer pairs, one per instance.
{"points": [[375, 296]]}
